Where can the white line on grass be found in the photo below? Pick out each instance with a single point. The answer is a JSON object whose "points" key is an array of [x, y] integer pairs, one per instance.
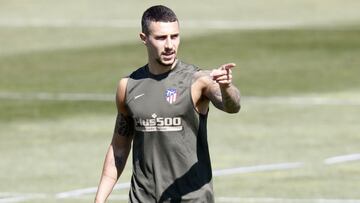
{"points": [[8, 197], [15, 197], [222, 172], [79, 192], [259, 168], [111, 197], [299, 100], [342, 159]]}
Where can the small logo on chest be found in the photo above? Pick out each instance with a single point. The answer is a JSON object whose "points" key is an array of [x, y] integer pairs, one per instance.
{"points": [[171, 95], [138, 96]]}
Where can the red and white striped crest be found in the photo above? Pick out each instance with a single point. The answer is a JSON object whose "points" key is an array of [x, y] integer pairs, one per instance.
{"points": [[171, 95]]}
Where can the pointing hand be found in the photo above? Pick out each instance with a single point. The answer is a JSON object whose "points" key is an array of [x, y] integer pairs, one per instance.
{"points": [[223, 75]]}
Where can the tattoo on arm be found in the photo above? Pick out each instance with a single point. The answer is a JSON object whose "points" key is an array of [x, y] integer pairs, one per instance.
{"points": [[124, 125], [231, 99], [215, 96], [225, 98]]}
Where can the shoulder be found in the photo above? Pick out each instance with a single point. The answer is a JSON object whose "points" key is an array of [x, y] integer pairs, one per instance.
{"points": [[202, 77], [121, 94], [187, 67], [122, 84], [201, 81], [198, 74]]}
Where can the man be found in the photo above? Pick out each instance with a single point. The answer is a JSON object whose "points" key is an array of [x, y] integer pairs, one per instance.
{"points": [[162, 112]]}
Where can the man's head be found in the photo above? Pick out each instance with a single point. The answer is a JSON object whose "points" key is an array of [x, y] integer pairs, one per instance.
{"points": [[156, 14], [160, 34]]}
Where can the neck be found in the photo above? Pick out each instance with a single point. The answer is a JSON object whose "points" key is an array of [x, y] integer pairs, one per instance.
{"points": [[155, 68]]}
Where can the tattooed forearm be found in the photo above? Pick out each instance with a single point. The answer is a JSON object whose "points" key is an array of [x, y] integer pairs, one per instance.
{"points": [[226, 99], [216, 96], [223, 96], [124, 125], [230, 99]]}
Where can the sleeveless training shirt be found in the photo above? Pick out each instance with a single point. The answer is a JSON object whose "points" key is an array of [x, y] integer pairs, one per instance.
{"points": [[171, 160]]}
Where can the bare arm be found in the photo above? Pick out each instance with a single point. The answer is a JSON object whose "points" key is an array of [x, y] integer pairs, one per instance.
{"points": [[217, 86], [118, 150]]}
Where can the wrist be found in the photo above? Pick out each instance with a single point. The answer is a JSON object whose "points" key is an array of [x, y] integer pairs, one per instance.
{"points": [[225, 86], [99, 201]]}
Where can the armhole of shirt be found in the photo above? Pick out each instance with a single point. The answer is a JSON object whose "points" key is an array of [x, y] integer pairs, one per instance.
{"points": [[126, 107], [191, 98]]}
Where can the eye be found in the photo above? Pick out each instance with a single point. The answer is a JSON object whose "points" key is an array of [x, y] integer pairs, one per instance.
{"points": [[174, 36], [160, 37]]}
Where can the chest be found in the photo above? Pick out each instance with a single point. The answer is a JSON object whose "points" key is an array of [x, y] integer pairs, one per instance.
{"points": [[148, 98]]}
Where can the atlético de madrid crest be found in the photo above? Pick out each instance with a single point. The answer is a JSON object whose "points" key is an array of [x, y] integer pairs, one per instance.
{"points": [[171, 95]]}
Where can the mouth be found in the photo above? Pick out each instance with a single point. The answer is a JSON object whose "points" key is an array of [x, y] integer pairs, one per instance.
{"points": [[168, 55]]}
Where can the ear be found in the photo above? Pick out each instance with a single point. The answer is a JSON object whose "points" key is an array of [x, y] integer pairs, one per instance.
{"points": [[143, 37]]}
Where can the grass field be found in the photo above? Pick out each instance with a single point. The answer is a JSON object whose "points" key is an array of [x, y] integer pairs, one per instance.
{"points": [[299, 81]]}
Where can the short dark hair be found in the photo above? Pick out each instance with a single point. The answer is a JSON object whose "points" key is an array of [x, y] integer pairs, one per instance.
{"points": [[158, 13]]}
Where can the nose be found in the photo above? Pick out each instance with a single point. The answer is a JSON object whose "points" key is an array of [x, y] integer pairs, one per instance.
{"points": [[168, 43]]}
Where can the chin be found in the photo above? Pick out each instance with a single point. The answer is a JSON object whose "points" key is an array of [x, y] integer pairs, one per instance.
{"points": [[167, 63]]}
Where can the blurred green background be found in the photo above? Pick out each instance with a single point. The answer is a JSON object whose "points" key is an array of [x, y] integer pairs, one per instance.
{"points": [[298, 70]]}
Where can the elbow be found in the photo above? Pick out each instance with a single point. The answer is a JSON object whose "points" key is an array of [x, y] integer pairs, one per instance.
{"points": [[233, 106], [234, 109], [237, 109]]}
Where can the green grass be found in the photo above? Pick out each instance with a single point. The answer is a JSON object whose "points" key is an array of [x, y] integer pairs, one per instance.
{"points": [[55, 155], [286, 61], [62, 154], [308, 11], [55, 146], [13, 111], [59, 145], [18, 40]]}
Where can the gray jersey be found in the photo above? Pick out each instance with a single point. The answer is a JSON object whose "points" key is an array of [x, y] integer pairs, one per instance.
{"points": [[171, 160]]}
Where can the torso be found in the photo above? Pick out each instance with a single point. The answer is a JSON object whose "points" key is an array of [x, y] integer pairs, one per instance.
{"points": [[170, 152]]}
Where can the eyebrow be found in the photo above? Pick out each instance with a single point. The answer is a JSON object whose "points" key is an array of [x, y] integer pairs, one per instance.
{"points": [[164, 35]]}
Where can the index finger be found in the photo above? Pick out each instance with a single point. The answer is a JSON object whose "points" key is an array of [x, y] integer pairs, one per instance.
{"points": [[228, 66]]}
